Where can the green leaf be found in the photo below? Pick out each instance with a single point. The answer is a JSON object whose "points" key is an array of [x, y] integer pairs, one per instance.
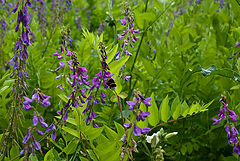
{"points": [[123, 95], [115, 66], [154, 115], [184, 107], [120, 128], [165, 109], [175, 102], [93, 133], [193, 108], [3, 89], [71, 131], [176, 113], [112, 135], [71, 147], [112, 53], [49, 156], [63, 97], [33, 158]]}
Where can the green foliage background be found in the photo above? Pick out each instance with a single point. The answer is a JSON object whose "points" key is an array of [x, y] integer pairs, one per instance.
{"points": [[187, 74]]}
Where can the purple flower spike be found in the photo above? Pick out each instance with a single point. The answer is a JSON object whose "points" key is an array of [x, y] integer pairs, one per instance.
{"points": [[27, 137], [64, 119], [145, 130], [137, 130], [36, 144], [216, 121], [127, 125], [42, 123]]}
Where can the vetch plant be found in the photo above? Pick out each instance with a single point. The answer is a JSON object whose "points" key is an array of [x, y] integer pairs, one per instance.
{"points": [[231, 117]]}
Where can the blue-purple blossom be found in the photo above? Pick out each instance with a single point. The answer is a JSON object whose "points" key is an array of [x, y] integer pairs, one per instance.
{"points": [[42, 123], [137, 130], [39, 132], [145, 130], [127, 125], [36, 144], [27, 137], [64, 119], [35, 120], [236, 149]]}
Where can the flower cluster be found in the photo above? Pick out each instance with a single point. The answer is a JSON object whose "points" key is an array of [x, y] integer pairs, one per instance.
{"points": [[103, 78], [41, 9], [76, 79], [140, 115], [22, 42], [44, 100], [38, 97], [128, 34], [231, 134]]}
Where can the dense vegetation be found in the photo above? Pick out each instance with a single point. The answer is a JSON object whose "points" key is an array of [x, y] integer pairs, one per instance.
{"points": [[108, 80]]}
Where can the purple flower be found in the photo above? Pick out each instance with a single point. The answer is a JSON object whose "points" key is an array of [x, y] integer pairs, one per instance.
{"points": [[35, 120], [221, 114], [64, 119], [145, 130], [216, 121], [53, 135], [103, 95], [42, 123], [95, 125], [15, 8], [233, 116], [27, 137], [39, 132], [36, 144], [236, 149], [61, 63], [123, 139], [51, 127], [132, 103], [45, 102], [127, 125], [127, 77], [234, 131], [154, 50], [147, 101], [120, 37], [137, 130], [237, 44], [123, 21]]}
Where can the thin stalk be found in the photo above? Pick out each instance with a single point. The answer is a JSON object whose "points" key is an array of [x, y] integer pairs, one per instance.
{"points": [[120, 107]]}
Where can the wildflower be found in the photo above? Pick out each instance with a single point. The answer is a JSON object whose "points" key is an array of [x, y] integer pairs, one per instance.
{"points": [[27, 137]]}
